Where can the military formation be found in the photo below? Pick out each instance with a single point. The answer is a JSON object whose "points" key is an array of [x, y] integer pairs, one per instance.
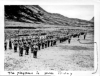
{"points": [[37, 43]]}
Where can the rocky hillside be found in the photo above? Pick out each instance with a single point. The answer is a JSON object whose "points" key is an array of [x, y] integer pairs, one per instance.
{"points": [[35, 14]]}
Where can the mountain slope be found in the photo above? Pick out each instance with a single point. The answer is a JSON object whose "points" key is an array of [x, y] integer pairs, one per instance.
{"points": [[35, 14]]}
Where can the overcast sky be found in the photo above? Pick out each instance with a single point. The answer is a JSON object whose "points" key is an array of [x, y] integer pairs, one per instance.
{"points": [[85, 12]]}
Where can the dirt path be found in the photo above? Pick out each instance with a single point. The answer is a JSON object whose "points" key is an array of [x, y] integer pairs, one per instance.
{"points": [[64, 56]]}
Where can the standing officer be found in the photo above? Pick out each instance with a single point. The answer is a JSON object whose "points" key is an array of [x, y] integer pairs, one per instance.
{"points": [[10, 44]]}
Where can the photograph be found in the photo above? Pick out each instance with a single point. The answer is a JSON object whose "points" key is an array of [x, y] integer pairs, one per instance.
{"points": [[49, 37]]}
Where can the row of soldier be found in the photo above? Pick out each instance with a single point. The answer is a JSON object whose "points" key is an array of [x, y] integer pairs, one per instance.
{"points": [[37, 43], [33, 44]]}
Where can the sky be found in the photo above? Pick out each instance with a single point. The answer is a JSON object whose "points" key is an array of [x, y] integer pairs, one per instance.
{"points": [[85, 12]]}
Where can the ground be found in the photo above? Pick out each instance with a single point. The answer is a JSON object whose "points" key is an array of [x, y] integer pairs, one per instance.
{"points": [[70, 57]]}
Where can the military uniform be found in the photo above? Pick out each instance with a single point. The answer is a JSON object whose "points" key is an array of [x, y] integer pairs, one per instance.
{"points": [[69, 39], [32, 47], [78, 35], [29, 42], [10, 44], [48, 42], [54, 41], [20, 48], [43, 44], [15, 46], [24, 44], [5, 45], [35, 50], [39, 45], [85, 36], [27, 49]]}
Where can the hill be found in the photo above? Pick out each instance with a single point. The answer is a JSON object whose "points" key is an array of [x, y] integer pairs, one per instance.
{"points": [[36, 15]]}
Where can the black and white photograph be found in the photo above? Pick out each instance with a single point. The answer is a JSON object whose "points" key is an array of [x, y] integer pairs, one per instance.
{"points": [[49, 37]]}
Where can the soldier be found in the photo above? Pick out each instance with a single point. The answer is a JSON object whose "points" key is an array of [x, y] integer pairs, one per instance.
{"points": [[55, 41], [69, 39], [5, 45], [29, 41], [48, 42], [35, 50], [20, 48], [52, 42], [39, 44], [32, 47], [27, 49], [24, 44], [85, 35], [42, 42], [45, 43], [10, 44], [23, 39], [78, 35], [15, 46]]}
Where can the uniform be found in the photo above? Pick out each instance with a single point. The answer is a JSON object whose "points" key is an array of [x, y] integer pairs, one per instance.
{"points": [[43, 44], [85, 36], [20, 49], [32, 47], [27, 49], [51, 42], [78, 35], [5, 46], [39, 45], [24, 44], [69, 40], [35, 50], [15, 46], [10, 44], [55, 42], [48, 42]]}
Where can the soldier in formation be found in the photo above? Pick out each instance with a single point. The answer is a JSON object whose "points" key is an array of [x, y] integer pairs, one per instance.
{"points": [[20, 48], [35, 49], [27, 49], [85, 35], [10, 44], [15, 45], [36, 44], [5, 45]]}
